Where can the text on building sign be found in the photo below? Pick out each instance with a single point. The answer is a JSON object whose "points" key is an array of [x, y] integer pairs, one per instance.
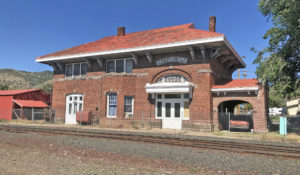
{"points": [[171, 60]]}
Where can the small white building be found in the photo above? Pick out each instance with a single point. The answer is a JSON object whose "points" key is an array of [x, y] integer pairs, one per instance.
{"points": [[275, 111], [293, 106]]}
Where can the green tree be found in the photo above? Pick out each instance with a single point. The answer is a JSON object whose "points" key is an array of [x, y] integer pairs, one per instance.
{"points": [[47, 88], [279, 62], [3, 87]]}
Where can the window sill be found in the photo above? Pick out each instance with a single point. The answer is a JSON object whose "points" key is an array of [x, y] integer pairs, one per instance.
{"points": [[79, 77], [114, 74], [111, 116]]}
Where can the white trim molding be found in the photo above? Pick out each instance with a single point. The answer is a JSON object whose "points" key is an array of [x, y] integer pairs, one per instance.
{"points": [[133, 49], [236, 89], [185, 87]]}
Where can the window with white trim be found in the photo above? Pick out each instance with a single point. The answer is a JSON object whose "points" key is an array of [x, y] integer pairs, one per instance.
{"points": [[111, 105], [74, 103], [76, 69], [161, 100], [128, 106], [119, 65]]}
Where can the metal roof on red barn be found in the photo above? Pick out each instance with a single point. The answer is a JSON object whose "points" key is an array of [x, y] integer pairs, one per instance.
{"points": [[17, 92], [30, 103]]}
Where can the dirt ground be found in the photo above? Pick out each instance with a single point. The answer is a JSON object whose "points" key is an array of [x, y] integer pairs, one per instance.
{"points": [[46, 154], [267, 136], [34, 156]]}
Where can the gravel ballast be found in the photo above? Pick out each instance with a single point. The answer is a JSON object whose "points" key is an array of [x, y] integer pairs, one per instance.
{"points": [[127, 157]]}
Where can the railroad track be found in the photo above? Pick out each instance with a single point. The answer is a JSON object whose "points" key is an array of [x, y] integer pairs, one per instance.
{"points": [[249, 148]]}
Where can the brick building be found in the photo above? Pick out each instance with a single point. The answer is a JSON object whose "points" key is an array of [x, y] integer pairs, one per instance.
{"points": [[173, 77]]}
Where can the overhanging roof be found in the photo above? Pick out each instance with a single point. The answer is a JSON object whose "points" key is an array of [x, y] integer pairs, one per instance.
{"points": [[16, 92], [237, 85], [30, 103], [149, 40], [185, 87]]}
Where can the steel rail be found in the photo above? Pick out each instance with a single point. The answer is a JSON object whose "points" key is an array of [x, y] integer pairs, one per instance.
{"points": [[251, 148]]}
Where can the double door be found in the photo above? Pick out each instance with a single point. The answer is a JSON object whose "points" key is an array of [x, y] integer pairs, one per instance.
{"points": [[172, 114]]}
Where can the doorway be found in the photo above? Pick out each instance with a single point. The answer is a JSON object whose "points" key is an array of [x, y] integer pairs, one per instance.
{"points": [[74, 103]]}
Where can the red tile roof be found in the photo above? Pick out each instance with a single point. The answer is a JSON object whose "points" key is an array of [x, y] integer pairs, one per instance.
{"points": [[185, 32], [30, 103], [16, 92], [238, 83]]}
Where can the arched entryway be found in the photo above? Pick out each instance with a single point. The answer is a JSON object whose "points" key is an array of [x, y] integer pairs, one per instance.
{"points": [[172, 93], [236, 115]]}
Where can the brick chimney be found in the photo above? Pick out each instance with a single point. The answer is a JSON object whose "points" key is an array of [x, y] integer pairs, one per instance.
{"points": [[121, 31], [212, 24]]}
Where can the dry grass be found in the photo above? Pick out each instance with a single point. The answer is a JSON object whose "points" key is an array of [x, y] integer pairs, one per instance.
{"points": [[267, 136], [24, 121]]}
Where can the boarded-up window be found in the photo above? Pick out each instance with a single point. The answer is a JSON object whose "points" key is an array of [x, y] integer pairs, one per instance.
{"points": [[186, 112]]}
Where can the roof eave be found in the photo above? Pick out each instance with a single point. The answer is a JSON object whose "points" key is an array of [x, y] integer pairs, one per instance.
{"points": [[234, 52], [147, 48], [234, 89], [134, 49]]}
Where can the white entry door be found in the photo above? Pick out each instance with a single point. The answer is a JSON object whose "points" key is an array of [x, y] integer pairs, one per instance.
{"points": [[74, 103], [172, 114]]}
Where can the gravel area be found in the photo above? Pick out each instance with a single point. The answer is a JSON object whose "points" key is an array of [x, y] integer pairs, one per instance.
{"points": [[33, 153], [259, 138]]}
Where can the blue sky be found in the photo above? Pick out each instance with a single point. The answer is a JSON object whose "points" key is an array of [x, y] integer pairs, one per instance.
{"points": [[31, 28]]}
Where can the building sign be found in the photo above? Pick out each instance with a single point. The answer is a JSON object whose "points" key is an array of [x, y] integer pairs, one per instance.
{"points": [[171, 60]]}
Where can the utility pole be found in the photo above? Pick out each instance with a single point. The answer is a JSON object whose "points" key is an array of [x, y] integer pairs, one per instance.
{"points": [[244, 74], [238, 104], [239, 78]]}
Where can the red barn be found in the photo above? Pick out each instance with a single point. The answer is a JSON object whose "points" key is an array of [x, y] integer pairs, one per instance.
{"points": [[29, 98]]}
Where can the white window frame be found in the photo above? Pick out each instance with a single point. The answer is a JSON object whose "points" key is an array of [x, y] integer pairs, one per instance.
{"points": [[107, 106], [72, 101], [115, 65], [73, 70], [163, 100], [132, 106]]}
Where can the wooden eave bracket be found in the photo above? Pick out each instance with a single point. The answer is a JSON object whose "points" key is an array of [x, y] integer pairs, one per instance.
{"points": [[100, 62], [135, 58], [219, 52], [149, 57], [216, 53], [229, 65], [192, 52], [203, 52], [88, 62], [53, 65], [59, 65], [225, 59]]}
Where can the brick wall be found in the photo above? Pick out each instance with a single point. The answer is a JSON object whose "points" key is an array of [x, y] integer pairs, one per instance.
{"points": [[258, 103], [97, 84]]}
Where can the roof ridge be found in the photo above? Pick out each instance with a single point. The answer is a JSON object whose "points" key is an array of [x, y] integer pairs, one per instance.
{"points": [[188, 25], [198, 30], [164, 35], [180, 26]]}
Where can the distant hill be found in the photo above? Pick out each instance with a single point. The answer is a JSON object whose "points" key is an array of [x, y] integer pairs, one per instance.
{"points": [[25, 80]]}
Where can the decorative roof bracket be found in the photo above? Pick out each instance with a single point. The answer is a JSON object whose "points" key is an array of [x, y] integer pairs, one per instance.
{"points": [[59, 65], [192, 52], [149, 57], [88, 62], [135, 58], [203, 52], [100, 62]]}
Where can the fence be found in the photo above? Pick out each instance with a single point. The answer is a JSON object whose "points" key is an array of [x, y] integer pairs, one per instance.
{"points": [[244, 121], [33, 114]]}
